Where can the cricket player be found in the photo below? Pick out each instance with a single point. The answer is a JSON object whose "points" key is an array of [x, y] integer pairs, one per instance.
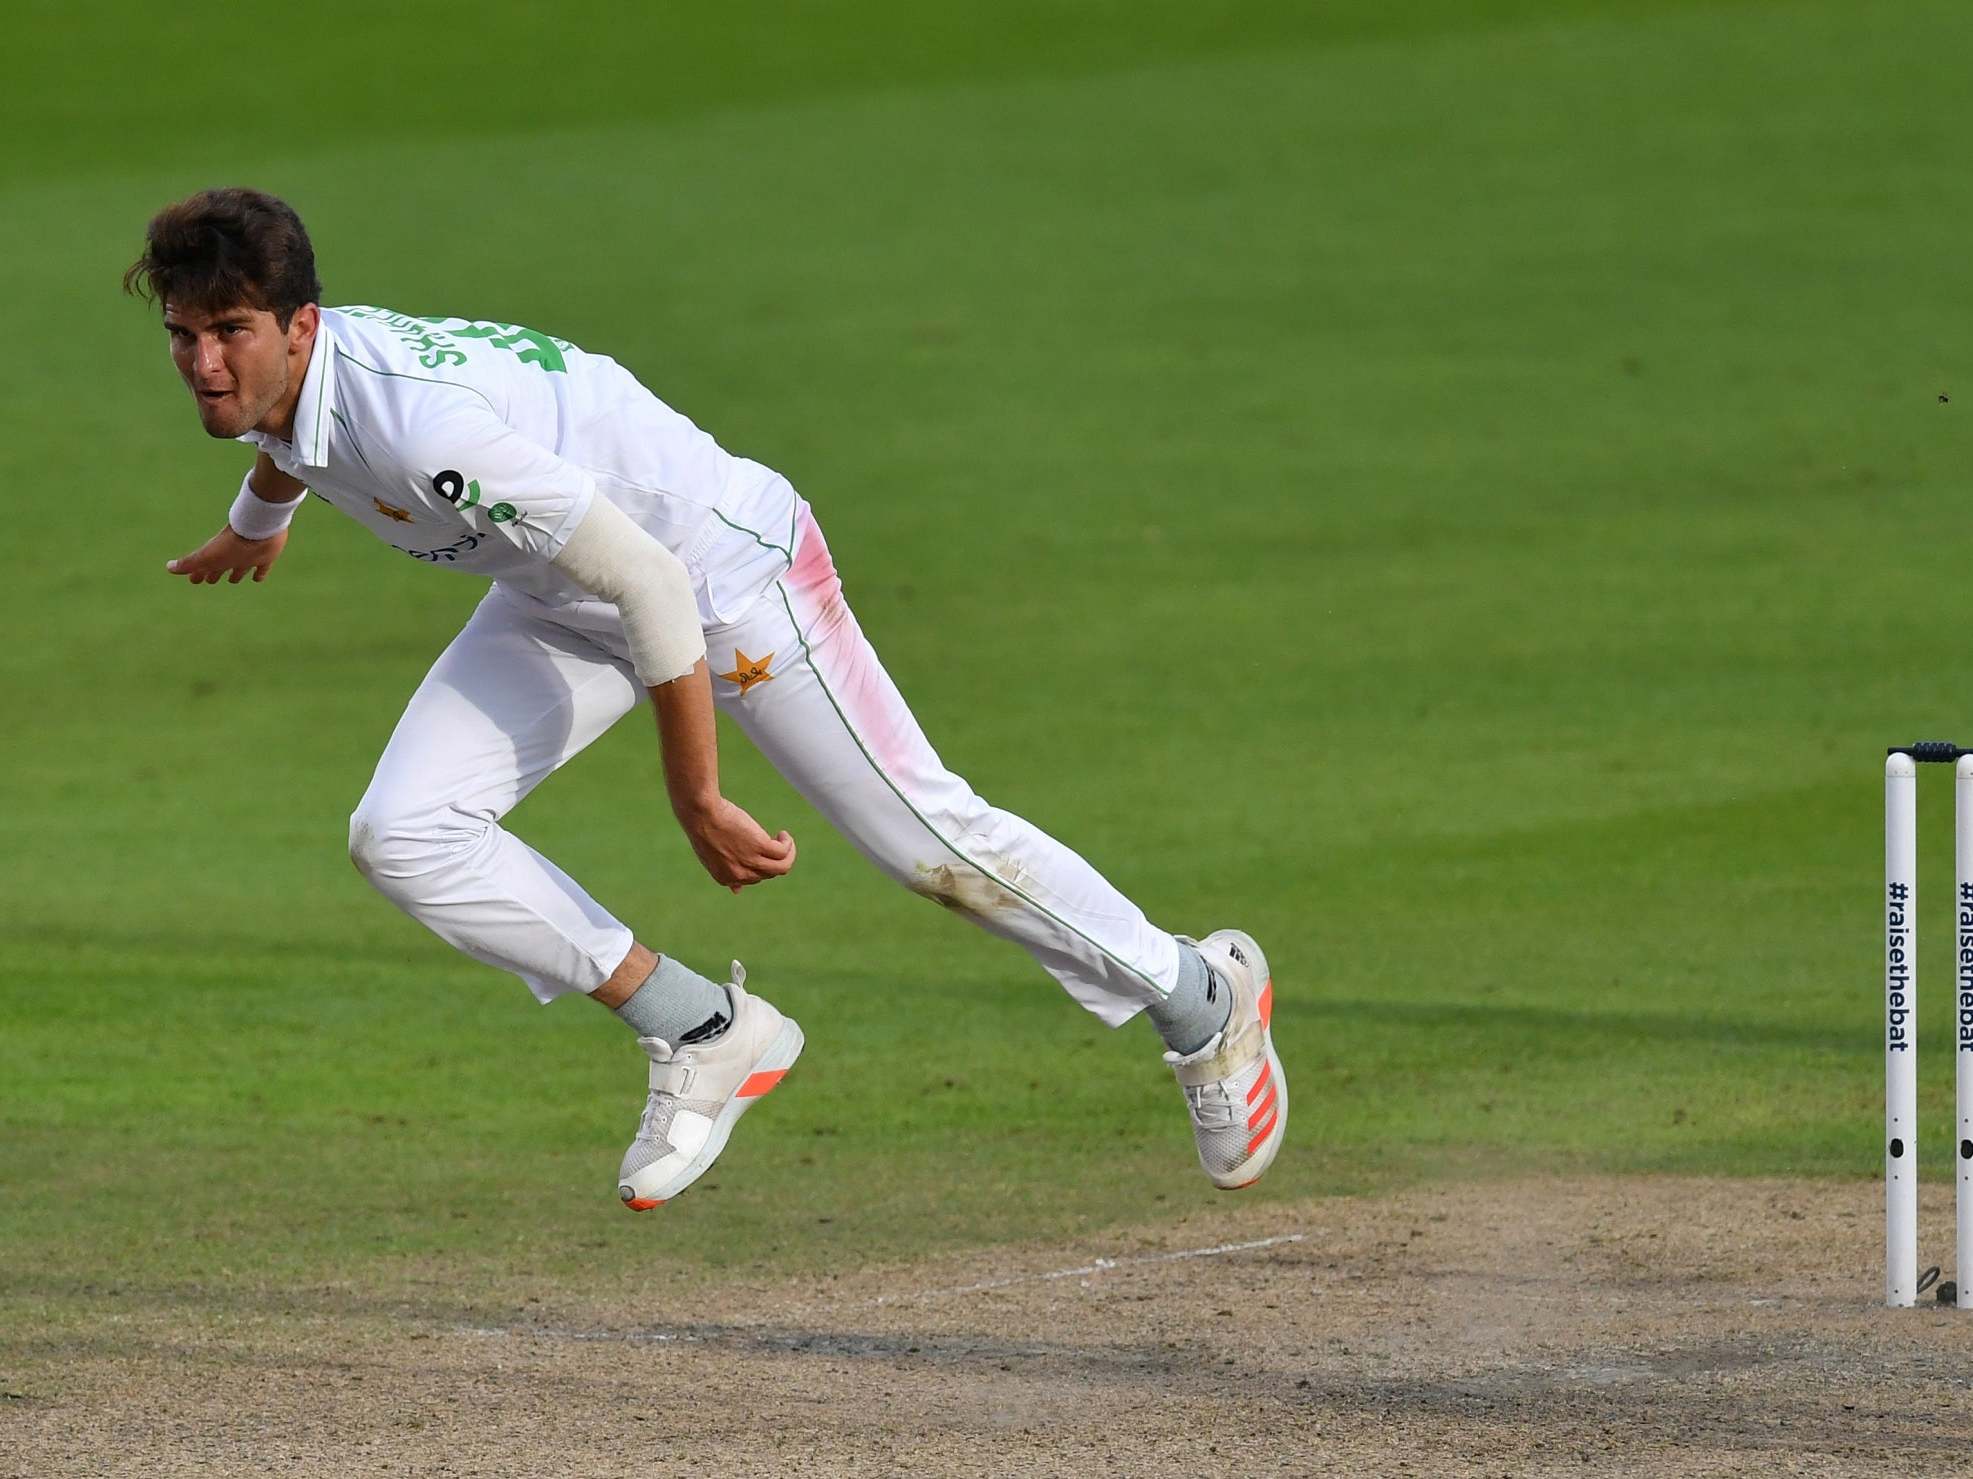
{"points": [[633, 559]]}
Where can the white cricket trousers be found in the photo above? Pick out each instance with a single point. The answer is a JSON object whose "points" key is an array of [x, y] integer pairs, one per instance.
{"points": [[525, 687]]}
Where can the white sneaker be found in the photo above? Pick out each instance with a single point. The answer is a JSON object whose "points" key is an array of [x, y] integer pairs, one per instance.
{"points": [[698, 1092], [1234, 1087]]}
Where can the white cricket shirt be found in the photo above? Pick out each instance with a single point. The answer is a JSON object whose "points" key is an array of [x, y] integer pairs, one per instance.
{"points": [[478, 446]]}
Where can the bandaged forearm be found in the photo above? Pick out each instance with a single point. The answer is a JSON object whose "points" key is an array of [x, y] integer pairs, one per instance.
{"points": [[609, 556]]}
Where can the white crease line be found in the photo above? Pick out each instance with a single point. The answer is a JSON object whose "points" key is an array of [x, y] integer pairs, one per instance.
{"points": [[1097, 1266], [550, 1332], [1101, 1265]]}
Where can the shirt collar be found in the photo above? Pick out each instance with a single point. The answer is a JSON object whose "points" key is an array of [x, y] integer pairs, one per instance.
{"points": [[310, 447]]}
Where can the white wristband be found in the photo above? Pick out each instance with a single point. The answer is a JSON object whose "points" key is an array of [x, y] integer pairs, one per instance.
{"points": [[253, 517]]}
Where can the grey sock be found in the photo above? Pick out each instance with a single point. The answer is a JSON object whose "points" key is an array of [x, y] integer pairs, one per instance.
{"points": [[677, 1004], [1198, 1006]]}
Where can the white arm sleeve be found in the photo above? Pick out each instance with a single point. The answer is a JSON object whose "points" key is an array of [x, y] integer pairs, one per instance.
{"points": [[609, 556]]}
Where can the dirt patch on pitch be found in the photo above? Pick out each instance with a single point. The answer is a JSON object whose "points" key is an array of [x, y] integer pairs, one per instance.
{"points": [[1634, 1326]]}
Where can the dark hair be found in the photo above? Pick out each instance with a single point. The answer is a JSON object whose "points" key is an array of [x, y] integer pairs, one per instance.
{"points": [[223, 248]]}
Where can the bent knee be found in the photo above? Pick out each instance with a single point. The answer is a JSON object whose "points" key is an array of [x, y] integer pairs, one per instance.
{"points": [[369, 835], [388, 845]]}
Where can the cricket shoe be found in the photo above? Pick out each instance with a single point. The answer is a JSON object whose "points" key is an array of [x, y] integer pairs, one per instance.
{"points": [[698, 1093], [1234, 1086]]}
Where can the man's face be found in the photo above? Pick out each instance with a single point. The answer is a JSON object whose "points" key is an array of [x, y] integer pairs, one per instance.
{"points": [[243, 369]]}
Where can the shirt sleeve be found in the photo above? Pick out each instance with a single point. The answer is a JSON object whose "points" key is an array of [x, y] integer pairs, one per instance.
{"points": [[500, 482]]}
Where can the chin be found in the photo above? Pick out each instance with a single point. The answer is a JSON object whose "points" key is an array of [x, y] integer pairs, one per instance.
{"points": [[221, 426]]}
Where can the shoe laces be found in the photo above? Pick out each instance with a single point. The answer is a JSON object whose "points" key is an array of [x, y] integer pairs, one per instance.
{"points": [[1211, 1105]]}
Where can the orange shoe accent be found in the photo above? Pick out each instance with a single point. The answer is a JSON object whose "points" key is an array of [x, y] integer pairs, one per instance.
{"points": [[1266, 1109], [644, 1204], [1267, 1074], [1264, 1131], [1267, 1002], [759, 1083]]}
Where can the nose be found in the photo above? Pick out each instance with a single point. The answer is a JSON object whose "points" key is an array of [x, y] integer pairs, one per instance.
{"points": [[207, 362]]}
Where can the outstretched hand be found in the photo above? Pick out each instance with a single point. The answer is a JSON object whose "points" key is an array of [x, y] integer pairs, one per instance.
{"points": [[227, 554], [735, 848]]}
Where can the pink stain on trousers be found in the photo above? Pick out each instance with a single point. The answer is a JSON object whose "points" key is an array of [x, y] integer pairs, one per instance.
{"points": [[848, 665]]}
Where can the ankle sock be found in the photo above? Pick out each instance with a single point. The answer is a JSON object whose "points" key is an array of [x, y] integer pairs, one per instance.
{"points": [[1199, 1005], [677, 1004]]}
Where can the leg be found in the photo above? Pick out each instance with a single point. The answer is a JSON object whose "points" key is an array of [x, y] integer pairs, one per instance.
{"points": [[834, 724], [808, 689], [512, 699]]}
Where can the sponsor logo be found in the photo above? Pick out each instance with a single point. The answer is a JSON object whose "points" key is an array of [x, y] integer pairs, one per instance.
{"points": [[455, 490], [747, 671], [463, 493], [446, 554]]}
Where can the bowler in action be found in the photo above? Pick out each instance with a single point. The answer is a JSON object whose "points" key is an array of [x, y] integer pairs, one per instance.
{"points": [[633, 560]]}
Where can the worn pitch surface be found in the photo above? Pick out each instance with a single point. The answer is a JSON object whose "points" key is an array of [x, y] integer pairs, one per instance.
{"points": [[1646, 1325]]}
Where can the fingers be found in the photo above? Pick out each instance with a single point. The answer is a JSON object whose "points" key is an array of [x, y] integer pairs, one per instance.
{"points": [[739, 853], [739, 876], [203, 574], [773, 860], [772, 857]]}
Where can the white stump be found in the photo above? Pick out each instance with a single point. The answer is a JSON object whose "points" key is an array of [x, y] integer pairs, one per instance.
{"points": [[1901, 1031], [1962, 1020]]}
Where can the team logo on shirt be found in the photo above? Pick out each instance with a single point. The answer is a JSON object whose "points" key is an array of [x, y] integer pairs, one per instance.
{"points": [[397, 515], [748, 671]]}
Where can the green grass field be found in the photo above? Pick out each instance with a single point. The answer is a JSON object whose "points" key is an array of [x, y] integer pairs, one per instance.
{"points": [[1467, 497]]}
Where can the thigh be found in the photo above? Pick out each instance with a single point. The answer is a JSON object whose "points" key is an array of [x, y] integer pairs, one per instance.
{"points": [[798, 676], [809, 691], [510, 700]]}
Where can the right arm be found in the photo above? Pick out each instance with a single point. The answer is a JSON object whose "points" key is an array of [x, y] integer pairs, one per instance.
{"points": [[551, 510], [230, 554], [731, 846], [609, 556]]}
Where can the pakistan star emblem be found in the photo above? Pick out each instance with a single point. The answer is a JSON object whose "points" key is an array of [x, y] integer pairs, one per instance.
{"points": [[748, 671]]}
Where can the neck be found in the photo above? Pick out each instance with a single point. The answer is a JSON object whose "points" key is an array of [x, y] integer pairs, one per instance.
{"points": [[280, 420]]}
